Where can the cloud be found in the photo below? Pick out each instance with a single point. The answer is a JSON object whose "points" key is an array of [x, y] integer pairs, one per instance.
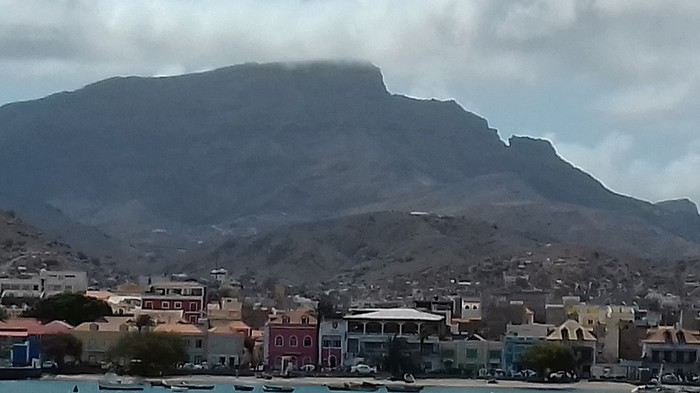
{"points": [[616, 163], [578, 69]]}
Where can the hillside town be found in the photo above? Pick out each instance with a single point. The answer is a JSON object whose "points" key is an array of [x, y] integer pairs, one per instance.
{"points": [[228, 328]]}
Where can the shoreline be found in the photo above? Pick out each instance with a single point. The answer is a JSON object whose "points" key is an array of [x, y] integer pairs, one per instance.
{"points": [[584, 386]]}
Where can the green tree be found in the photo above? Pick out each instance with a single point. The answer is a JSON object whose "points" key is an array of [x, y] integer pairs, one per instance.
{"points": [[144, 320], [3, 314], [70, 307], [57, 346], [149, 354], [398, 359], [547, 358]]}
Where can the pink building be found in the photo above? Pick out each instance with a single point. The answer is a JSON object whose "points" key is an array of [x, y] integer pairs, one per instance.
{"points": [[290, 340]]}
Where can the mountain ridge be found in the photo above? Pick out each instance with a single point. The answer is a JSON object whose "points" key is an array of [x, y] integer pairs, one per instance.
{"points": [[169, 162]]}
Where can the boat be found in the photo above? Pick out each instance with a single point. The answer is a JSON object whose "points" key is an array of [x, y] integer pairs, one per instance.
{"points": [[353, 387], [179, 389], [408, 378], [120, 385], [277, 389], [403, 388], [187, 385], [243, 388]]}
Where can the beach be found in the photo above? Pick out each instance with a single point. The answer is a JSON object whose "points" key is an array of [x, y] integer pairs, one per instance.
{"points": [[584, 386]]}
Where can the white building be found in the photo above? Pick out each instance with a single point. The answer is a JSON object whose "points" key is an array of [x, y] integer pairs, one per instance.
{"points": [[332, 350], [369, 333], [45, 283]]}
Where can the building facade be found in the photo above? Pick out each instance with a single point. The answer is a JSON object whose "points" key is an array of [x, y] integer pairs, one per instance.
{"points": [[369, 332], [333, 334], [290, 340], [677, 349], [43, 284], [177, 295]]}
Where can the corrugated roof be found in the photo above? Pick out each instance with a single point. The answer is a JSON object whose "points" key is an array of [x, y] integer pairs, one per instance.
{"points": [[404, 314]]}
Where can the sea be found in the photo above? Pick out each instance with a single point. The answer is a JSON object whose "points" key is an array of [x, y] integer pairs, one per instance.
{"points": [[38, 386]]}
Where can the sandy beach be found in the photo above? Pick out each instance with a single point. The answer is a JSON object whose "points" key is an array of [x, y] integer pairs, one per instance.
{"points": [[434, 382]]}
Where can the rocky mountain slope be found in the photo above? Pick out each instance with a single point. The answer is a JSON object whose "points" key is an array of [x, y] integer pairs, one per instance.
{"points": [[25, 248], [163, 166]]}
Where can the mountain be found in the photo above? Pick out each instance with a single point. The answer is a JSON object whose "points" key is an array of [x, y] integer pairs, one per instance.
{"points": [[171, 164], [26, 248]]}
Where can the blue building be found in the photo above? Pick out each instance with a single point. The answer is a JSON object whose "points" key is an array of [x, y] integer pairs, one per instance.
{"points": [[518, 339]]}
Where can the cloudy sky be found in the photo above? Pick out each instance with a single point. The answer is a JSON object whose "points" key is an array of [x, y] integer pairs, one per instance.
{"points": [[615, 84]]}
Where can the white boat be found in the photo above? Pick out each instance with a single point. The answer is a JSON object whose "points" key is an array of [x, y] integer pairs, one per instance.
{"points": [[119, 385]]}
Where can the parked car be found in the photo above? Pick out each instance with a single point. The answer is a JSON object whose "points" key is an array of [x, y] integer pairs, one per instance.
{"points": [[308, 368], [363, 369], [49, 364]]}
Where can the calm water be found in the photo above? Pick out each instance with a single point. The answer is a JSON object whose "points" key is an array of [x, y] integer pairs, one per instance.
{"points": [[91, 387]]}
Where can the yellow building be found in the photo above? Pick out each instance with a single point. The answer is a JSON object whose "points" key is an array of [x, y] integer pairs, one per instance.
{"points": [[98, 337]]}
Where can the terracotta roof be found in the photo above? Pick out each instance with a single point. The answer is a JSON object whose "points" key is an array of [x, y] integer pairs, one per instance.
{"points": [[669, 334], [570, 330], [178, 328], [57, 327], [32, 326], [107, 324], [233, 328]]}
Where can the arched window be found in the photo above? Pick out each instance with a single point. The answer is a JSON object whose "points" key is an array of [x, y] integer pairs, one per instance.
{"points": [[293, 341], [307, 341], [279, 341]]}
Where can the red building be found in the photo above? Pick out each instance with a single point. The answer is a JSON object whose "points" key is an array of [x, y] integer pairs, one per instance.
{"points": [[290, 340], [186, 296]]}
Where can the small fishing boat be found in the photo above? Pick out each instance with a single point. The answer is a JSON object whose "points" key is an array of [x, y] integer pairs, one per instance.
{"points": [[353, 387], [119, 385], [187, 385], [403, 388], [179, 389], [243, 388], [277, 389]]}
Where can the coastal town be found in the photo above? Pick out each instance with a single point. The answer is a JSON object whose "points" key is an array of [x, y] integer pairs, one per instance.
{"points": [[228, 329]]}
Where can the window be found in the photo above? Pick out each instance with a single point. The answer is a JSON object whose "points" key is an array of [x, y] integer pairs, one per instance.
{"points": [[293, 341], [279, 341], [194, 306], [307, 341], [285, 319], [471, 353], [148, 305], [178, 305], [335, 324], [198, 343], [165, 305], [304, 320], [193, 318]]}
